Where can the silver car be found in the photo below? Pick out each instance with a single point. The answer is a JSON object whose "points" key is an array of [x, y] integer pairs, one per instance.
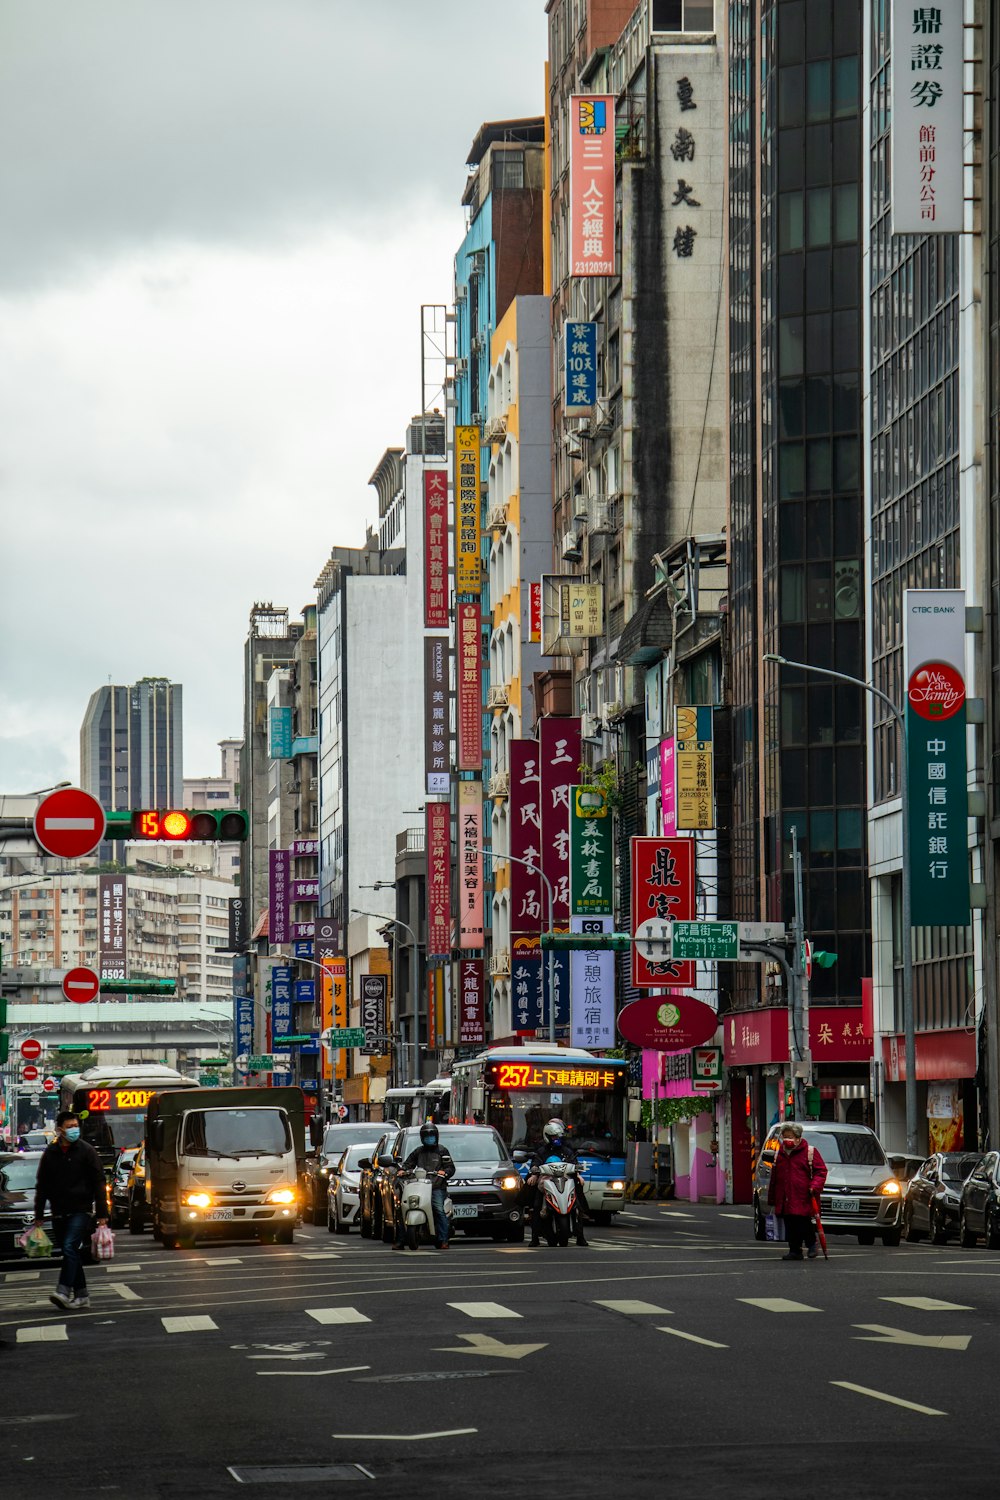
{"points": [[343, 1197], [860, 1196]]}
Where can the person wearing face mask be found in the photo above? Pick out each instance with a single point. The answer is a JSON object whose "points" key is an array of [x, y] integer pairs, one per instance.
{"points": [[797, 1177], [71, 1178]]}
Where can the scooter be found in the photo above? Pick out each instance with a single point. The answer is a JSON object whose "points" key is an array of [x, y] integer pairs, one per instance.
{"points": [[557, 1200], [415, 1206]]}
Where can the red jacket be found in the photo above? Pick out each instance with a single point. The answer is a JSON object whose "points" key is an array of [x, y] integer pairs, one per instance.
{"points": [[795, 1181]]}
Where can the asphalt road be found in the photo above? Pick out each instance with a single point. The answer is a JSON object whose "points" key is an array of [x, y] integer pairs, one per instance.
{"points": [[676, 1358]]}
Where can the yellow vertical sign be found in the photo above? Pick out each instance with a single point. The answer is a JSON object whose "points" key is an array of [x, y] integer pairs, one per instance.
{"points": [[694, 767], [339, 973], [468, 570]]}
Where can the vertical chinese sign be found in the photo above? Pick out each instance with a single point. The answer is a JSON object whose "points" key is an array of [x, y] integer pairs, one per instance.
{"points": [[662, 887], [927, 83], [436, 549], [592, 185], [592, 988], [559, 763], [438, 853], [279, 896], [936, 768], [327, 943], [112, 955], [470, 874], [591, 854], [668, 788], [468, 567], [471, 1002], [694, 762], [469, 687], [580, 371], [281, 1018], [524, 814], [437, 760]]}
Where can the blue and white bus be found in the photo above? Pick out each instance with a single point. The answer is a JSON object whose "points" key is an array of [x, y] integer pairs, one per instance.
{"points": [[517, 1089]]}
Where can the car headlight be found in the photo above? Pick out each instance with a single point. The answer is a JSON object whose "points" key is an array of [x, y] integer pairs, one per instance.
{"points": [[197, 1200], [324, 1171], [509, 1182], [618, 1187], [891, 1188], [281, 1195]]}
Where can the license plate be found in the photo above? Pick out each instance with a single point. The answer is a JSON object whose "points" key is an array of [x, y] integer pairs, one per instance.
{"points": [[219, 1213], [846, 1205], [464, 1211]]}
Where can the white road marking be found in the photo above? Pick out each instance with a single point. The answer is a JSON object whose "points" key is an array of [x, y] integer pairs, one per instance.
{"points": [[864, 1390], [484, 1343], [513, 1250], [673, 1213], [778, 1304], [693, 1338], [344, 1370], [929, 1304], [125, 1292], [634, 1307], [226, 1260], [43, 1333], [189, 1325], [116, 1268], [401, 1437], [337, 1315], [877, 1333], [484, 1310], [317, 1255], [744, 1217], [13, 1276]]}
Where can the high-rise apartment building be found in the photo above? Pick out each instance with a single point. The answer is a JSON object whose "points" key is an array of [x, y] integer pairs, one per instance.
{"points": [[131, 747]]}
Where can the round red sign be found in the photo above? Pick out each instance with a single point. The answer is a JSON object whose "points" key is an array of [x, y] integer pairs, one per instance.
{"points": [[936, 690], [31, 1049], [50, 1085], [69, 823], [668, 1023], [29, 1072], [81, 985]]}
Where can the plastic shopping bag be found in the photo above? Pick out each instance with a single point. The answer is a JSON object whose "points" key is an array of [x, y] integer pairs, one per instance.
{"points": [[102, 1243], [35, 1243], [775, 1227]]}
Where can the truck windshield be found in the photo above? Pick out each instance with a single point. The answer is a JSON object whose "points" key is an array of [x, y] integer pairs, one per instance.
{"points": [[237, 1132]]}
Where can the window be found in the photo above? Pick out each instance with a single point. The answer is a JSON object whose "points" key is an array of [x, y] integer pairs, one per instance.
{"points": [[683, 15], [508, 169]]}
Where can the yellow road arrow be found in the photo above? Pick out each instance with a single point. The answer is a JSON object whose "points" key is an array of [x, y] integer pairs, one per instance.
{"points": [[882, 1335], [482, 1343]]}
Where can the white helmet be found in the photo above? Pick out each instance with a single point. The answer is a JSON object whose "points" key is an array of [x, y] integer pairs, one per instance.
{"points": [[554, 1130]]}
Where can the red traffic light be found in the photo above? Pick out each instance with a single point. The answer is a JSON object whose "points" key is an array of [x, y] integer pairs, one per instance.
{"points": [[179, 825]]}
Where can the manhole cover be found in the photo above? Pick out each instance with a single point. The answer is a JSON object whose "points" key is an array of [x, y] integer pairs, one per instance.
{"points": [[432, 1375], [304, 1474]]}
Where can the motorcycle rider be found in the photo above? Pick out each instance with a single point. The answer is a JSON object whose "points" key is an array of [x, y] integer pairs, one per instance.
{"points": [[555, 1144], [437, 1163]]}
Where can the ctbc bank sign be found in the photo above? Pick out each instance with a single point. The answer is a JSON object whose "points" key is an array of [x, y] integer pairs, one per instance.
{"points": [[373, 1013]]}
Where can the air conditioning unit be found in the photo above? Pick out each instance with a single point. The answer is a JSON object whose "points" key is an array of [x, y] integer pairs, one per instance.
{"points": [[581, 507], [498, 696], [500, 784], [590, 728], [500, 965], [475, 419], [461, 367], [604, 417], [598, 514], [461, 295], [614, 711], [572, 546]]}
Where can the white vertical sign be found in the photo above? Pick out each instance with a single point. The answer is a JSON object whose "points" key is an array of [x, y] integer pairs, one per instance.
{"points": [[927, 108], [592, 988]]}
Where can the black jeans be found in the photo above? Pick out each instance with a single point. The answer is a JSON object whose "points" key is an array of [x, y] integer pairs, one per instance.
{"points": [[799, 1230]]}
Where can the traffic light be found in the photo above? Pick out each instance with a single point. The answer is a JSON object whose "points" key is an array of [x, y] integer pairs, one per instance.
{"points": [[177, 825], [822, 959]]}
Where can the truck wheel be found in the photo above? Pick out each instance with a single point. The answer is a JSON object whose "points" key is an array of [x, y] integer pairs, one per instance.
{"points": [[285, 1235]]}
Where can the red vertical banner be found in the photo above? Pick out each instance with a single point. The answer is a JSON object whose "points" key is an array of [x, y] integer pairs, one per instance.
{"points": [[528, 913], [559, 755], [470, 874], [471, 1002], [438, 853], [592, 185], [662, 887], [534, 611], [436, 549], [468, 627]]}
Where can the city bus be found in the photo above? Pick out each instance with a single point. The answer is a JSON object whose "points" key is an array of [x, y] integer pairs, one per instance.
{"points": [[517, 1089], [111, 1103], [413, 1103]]}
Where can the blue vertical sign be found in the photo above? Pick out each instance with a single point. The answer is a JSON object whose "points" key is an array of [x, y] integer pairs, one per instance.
{"points": [[281, 1015], [580, 343], [279, 722]]}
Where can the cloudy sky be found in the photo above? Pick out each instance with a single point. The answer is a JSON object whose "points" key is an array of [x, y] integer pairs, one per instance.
{"points": [[220, 218]]}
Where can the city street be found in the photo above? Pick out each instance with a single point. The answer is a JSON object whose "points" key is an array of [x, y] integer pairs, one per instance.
{"points": [[674, 1357]]}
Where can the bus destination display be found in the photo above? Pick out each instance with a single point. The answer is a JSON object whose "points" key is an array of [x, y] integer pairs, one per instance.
{"points": [[527, 1075], [101, 1100]]}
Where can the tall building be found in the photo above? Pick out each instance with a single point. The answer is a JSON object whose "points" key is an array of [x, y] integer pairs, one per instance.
{"points": [[131, 745]]}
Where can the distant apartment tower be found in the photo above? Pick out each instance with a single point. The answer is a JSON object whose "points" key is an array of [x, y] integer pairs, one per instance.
{"points": [[131, 745]]}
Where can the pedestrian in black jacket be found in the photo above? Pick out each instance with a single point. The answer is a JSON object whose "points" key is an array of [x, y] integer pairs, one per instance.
{"points": [[71, 1179]]}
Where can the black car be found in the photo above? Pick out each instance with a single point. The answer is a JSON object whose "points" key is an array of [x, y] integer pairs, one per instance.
{"points": [[138, 1210], [315, 1181], [486, 1191], [979, 1213], [374, 1169], [18, 1171], [934, 1195], [118, 1186]]}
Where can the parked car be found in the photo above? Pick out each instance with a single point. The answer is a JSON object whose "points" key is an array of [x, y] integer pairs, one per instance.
{"points": [[370, 1185], [979, 1211], [486, 1190], [934, 1195], [860, 1196], [118, 1186], [904, 1168], [344, 1184], [336, 1138], [140, 1212], [18, 1171]]}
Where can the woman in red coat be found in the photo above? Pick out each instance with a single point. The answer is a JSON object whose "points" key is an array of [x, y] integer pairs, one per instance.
{"points": [[797, 1176]]}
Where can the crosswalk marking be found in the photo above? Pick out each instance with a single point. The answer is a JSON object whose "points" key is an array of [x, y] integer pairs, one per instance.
{"points": [[189, 1325], [125, 1292], [929, 1304], [628, 1306], [43, 1333], [693, 1338], [674, 1213], [864, 1390], [115, 1267], [484, 1310], [778, 1304], [21, 1275], [744, 1217], [337, 1315], [317, 1255], [225, 1260]]}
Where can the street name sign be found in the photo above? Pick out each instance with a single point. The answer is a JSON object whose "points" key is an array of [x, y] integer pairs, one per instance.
{"points": [[343, 1036], [69, 823], [716, 942]]}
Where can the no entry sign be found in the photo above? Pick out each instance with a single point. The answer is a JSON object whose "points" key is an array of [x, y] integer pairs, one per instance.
{"points": [[29, 1072], [69, 823], [81, 985], [31, 1049], [50, 1085]]}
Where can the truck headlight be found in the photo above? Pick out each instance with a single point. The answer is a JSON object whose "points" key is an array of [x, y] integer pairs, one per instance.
{"points": [[618, 1187], [197, 1200], [281, 1195]]}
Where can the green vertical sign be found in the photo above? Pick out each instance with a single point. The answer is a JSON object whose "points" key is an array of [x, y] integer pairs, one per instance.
{"points": [[591, 854], [937, 793]]}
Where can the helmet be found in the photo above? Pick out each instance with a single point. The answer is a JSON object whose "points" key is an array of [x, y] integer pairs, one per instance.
{"points": [[428, 1134], [554, 1130]]}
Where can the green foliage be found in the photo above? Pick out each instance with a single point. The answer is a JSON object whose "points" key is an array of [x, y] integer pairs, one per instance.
{"points": [[671, 1111]]}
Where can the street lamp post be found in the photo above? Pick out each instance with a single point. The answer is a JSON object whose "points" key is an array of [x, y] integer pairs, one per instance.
{"points": [[356, 911], [909, 1033], [515, 859]]}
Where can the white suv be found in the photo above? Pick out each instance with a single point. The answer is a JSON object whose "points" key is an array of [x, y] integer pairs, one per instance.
{"points": [[860, 1196]]}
